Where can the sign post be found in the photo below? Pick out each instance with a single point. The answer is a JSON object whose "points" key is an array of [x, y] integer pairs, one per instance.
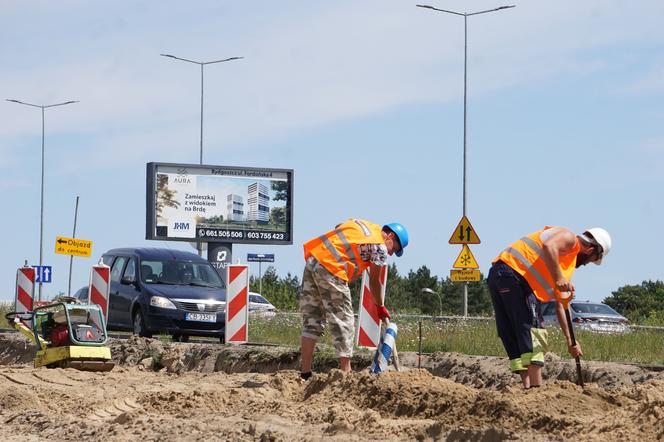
{"points": [[465, 234], [260, 258]]}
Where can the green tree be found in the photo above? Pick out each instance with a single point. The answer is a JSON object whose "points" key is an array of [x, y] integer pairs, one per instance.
{"points": [[278, 216], [403, 294], [638, 302], [281, 292], [165, 196], [479, 298], [425, 303], [281, 190], [394, 299]]}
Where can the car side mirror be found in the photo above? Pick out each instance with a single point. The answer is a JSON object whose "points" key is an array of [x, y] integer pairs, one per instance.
{"points": [[128, 280]]}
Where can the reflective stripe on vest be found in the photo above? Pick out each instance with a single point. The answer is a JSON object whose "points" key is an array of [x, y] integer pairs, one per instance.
{"points": [[530, 267], [526, 257], [337, 250], [349, 252]]}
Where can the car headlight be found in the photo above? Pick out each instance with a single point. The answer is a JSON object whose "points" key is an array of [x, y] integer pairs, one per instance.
{"points": [[160, 301]]}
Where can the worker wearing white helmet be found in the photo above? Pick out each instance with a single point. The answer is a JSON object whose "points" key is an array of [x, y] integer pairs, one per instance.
{"points": [[535, 269]]}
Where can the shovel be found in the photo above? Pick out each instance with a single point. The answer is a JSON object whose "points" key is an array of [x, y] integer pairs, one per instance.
{"points": [[579, 375]]}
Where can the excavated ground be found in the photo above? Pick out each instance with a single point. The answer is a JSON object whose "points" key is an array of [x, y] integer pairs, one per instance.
{"points": [[174, 392]]}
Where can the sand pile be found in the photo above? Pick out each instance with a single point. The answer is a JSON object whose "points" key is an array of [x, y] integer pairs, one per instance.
{"points": [[173, 392]]}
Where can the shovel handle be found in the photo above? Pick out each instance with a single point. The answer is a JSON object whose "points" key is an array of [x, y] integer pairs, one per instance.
{"points": [[579, 375]]}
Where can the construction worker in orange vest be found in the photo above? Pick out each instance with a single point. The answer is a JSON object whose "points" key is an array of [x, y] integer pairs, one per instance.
{"points": [[535, 269], [333, 260]]}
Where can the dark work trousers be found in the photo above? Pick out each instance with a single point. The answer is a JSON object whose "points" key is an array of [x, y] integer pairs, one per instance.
{"points": [[516, 307]]}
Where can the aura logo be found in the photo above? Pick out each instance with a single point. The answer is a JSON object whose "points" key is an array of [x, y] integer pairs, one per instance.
{"points": [[181, 226], [182, 176]]}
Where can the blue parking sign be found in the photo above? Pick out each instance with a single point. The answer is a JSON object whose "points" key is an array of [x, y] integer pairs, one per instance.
{"points": [[43, 274]]}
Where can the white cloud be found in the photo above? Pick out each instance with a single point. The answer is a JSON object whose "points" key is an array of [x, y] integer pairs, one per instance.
{"points": [[313, 66]]}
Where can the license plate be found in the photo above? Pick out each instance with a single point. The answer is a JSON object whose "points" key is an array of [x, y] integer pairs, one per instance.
{"points": [[201, 317]]}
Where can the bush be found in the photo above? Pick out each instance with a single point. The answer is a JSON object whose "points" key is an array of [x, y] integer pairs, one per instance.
{"points": [[5, 307]]}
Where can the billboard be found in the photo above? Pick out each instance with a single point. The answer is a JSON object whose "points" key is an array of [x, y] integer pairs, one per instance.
{"points": [[243, 205]]}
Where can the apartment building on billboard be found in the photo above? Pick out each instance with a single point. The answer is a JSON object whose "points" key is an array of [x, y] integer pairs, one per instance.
{"points": [[258, 202], [235, 208]]}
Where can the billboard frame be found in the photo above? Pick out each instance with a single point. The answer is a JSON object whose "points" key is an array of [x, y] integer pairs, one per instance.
{"points": [[151, 195]]}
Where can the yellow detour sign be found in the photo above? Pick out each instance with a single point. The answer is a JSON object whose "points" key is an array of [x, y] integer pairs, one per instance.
{"points": [[464, 233], [465, 260], [73, 246], [465, 275]]}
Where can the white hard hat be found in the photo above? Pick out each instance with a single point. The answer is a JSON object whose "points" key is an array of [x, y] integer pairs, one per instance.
{"points": [[603, 239]]}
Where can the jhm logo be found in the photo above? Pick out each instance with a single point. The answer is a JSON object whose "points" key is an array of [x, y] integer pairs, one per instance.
{"points": [[181, 226]]}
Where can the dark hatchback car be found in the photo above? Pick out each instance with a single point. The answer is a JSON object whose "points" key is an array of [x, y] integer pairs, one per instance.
{"points": [[164, 291]]}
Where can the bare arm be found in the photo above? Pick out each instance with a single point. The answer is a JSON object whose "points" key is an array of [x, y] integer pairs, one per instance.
{"points": [[560, 242]]}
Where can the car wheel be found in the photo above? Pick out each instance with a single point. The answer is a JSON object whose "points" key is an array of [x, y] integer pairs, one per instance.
{"points": [[139, 325], [222, 339]]}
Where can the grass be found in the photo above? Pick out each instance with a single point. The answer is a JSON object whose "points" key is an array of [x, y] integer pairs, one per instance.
{"points": [[466, 337], [5, 307], [477, 338]]}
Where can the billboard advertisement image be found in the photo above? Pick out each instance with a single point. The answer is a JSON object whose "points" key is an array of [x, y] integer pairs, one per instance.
{"points": [[192, 202]]}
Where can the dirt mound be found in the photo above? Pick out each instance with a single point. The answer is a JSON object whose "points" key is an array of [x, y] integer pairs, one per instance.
{"points": [[492, 372], [207, 358], [164, 391], [15, 349], [560, 409]]}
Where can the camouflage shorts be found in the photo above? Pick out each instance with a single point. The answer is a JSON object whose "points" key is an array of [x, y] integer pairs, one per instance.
{"points": [[326, 298]]}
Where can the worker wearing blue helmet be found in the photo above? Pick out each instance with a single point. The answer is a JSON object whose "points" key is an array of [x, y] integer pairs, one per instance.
{"points": [[333, 260]]}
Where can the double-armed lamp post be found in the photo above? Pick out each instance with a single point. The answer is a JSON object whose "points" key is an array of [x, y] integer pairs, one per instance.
{"points": [[202, 64], [41, 217], [465, 16]]}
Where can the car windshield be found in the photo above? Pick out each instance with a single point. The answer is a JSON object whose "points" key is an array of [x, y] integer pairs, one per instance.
{"points": [[179, 273], [601, 309], [258, 299]]}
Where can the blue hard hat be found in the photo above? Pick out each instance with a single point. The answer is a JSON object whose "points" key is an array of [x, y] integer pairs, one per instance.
{"points": [[402, 235]]}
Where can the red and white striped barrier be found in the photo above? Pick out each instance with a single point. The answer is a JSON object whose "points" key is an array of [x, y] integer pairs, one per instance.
{"points": [[368, 327], [25, 291], [237, 305], [99, 287]]}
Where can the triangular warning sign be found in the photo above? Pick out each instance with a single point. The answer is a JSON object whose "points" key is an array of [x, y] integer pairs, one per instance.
{"points": [[465, 260], [464, 233]]}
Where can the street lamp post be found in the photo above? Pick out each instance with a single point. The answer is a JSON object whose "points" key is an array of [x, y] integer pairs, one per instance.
{"points": [[202, 65], [465, 16], [440, 300], [41, 216]]}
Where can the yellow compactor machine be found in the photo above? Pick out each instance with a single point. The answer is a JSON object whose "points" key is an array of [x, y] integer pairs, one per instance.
{"points": [[67, 335]]}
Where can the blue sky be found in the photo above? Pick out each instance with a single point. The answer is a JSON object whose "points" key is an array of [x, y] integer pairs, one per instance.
{"points": [[363, 100]]}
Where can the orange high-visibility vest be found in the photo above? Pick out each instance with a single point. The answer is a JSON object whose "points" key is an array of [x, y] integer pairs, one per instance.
{"points": [[525, 257], [337, 250]]}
